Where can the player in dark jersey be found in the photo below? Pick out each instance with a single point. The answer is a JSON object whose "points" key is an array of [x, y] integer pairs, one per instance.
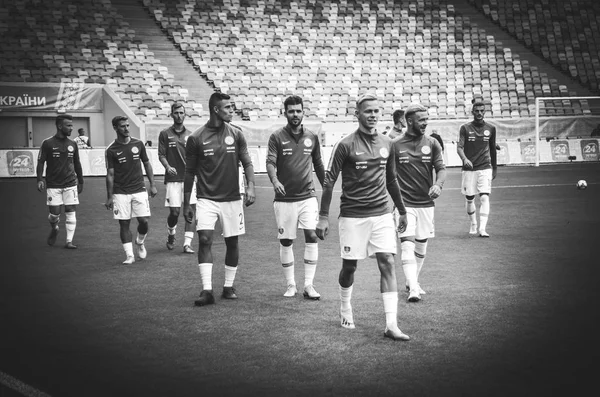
{"points": [[477, 150], [421, 173], [213, 153], [399, 124], [293, 150], [125, 188], [367, 162], [171, 154], [64, 178]]}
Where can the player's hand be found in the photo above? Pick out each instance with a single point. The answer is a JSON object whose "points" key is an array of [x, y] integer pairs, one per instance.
{"points": [[188, 213], [250, 196], [279, 189], [322, 229], [402, 222], [109, 204], [494, 173], [41, 186], [153, 191], [435, 191], [467, 164], [79, 188], [171, 171]]}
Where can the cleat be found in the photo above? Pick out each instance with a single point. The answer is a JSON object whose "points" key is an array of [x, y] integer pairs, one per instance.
{"points": [[141, 248], [473, 229], [291, 291], [129, 260], [483, 233], [347, 319], [206, 298], [52, 237], [229, 293], [187, 249], [413, 296], [310, 293], [70, 245], [395, 334], [171, 241]]}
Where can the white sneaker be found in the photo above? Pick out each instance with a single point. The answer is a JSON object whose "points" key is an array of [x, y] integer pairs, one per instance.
{"points": [[311, 293], [129, 260], [347, 319], [395, 334], [483, 233], [142, 253], [413, 296], [473, 229], [291, 291]]}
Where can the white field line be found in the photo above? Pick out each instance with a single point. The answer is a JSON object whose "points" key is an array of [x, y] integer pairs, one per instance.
{"points": [[20, 387]]}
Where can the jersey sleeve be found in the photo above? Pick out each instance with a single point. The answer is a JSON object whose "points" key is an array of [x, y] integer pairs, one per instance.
{"points": [[244, 156], [336, 162], [191, 154], [43, 153], [162, 144], [462, 137], [143, 153], [272, 150], [109, 159], [437, 157]]}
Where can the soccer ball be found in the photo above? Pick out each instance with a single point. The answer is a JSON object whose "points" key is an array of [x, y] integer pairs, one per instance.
{"points": [[581, 184]]}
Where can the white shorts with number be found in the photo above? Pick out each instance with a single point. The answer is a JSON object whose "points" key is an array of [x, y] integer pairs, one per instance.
{"points": [[419, 222], [362, 237], [174, 195], [230, 213], [60, 196], [128, 206], [295, 215], [476, 182]]}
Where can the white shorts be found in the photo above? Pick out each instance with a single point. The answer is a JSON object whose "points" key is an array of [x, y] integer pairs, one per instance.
{"points": [[362, 237], [292, 215], [174, 195], [230, 213], [60, 196], [419, 221], [128, 206], [476, 182]]}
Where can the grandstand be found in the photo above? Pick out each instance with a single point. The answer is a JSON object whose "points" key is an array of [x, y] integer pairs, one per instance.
{"points": [[151, 53]]}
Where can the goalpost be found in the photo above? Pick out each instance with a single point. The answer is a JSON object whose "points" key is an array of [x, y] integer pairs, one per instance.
{"points": [[566, 117]]}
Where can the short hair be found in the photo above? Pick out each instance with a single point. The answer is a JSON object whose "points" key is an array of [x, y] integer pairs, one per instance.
{"points": [[293, 100], [215, 98], [397, 115], [61, 117], [117, 119], [414, 108], [177, 105], [365, 98], [81, 130], [477, 102]]}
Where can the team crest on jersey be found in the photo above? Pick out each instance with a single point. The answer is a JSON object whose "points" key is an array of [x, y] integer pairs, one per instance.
{"points": [[425, 150], [116, 212], [70, 148], [384, 153], [49, 198], [135, 150], [486, 132], [229, 140], [307, 142], [346, 249], [281, 230]]}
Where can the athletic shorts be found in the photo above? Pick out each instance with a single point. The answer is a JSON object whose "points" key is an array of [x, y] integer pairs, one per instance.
{"points": [[174, 195], [476, 182], [229, 213], [364, 237], [60, 196], [292, 215], [419, 221], [128, 206]]}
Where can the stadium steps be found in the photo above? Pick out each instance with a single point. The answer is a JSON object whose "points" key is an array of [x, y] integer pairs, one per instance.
{"points": [[464, 8], [150, 34]]}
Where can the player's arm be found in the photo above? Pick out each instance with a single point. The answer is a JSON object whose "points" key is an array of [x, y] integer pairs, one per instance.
{"points": [[110, 186], [493, 152], [440, 171], [318, 162], [149, 171], [460, 148], [191, 159], [78, 170], [272, 166], [39, 170], [163, 144], [338, 157], [393, 188]]}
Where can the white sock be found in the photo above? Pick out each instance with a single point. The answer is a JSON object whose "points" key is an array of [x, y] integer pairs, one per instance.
{"points": [[390, 307], [471, 211], [311, 255], [286, 255], [53, 219], [420, 251], [128, 247], [189, 236], [345, 297], [229, 275], [206, 275], [140, 238], [171, 230], [70, 225], [409, 263], [484, 211]]}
